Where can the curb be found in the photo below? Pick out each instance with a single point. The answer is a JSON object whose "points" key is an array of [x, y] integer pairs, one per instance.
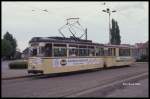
{"points": [[141, 62], [17, 77]]}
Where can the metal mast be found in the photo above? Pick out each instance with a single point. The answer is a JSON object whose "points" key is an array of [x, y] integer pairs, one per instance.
{"points": [[109, 13]]}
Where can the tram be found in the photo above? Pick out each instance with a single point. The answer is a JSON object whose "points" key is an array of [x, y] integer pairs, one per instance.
{"points": [[61, 54]]}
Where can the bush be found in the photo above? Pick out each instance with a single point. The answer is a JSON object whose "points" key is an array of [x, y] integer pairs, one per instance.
{"points": [[18, 65]]}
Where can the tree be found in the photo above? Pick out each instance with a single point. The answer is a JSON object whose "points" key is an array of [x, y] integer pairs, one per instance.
{"points": [[6, 48], [115, 33], [12, 41]]}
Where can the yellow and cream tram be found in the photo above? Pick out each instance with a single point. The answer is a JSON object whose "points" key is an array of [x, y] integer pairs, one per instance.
{"points": [[59, 54]]}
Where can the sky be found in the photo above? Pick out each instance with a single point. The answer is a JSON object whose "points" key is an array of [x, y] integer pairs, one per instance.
{"points": [[25, 20]]}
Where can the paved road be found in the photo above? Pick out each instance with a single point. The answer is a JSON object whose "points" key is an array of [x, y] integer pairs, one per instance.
{"points": [[136, 90], [68, 85]]}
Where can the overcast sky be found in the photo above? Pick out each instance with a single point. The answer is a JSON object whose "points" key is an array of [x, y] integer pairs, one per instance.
{"points": [[26, 20]]}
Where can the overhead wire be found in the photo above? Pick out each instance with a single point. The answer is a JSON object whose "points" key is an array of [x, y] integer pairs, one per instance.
{"points": [[69, 27]]}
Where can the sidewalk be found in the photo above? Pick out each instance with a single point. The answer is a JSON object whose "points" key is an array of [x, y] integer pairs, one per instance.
{"points": [[11, 73]]}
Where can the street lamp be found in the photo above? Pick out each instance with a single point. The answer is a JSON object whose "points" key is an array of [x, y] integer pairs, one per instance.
{"points": [[109, 12]]}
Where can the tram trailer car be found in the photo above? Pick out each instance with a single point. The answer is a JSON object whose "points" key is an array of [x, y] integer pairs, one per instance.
{"points": [[58, 54]]}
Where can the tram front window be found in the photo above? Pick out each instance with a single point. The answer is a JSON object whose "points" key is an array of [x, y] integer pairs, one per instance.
{"points": [[45, 51], [34, 52], [41, 51]]}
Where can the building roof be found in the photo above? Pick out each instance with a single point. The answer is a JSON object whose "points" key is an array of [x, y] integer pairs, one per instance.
{"points": [[119, 46], [141, 45]]}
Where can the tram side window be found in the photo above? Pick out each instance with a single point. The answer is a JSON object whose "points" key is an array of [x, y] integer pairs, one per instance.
{"points": [[83, 52], [91, 51], [111, 52], [108, 52], [124, 52], [73, 52], [99, 51], [60, 52]]}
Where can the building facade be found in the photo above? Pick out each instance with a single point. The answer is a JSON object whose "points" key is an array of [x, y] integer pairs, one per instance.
{"points": [[140, 49]]}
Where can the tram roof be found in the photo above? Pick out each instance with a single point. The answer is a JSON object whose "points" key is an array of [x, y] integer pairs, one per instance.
{"points": [[118, 46], [57, 39], [74, 40]]}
